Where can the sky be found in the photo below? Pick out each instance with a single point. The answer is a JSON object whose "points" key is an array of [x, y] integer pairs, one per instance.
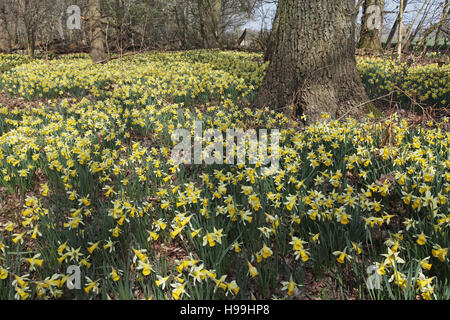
{"points": [[390, 5]]}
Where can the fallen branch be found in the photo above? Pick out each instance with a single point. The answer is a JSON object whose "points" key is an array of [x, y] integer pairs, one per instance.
{"points": [[364, 103]]}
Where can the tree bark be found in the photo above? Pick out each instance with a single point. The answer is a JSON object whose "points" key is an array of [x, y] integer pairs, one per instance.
{"points": [[395, 26], [13, 33], [438, 32], [313, 67], [210, 14], [400, 30], [371, 25], [29, 17], [182, 23], [273, 34], [5, 41], [30, 39], [96, 32]]}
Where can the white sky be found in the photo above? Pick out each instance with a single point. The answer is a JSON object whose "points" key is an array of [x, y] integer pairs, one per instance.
{"points": [[390, 5]]}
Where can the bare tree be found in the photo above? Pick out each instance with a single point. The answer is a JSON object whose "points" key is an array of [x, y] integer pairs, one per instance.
{"points": [[5, 42], [210, 15], [396, 23], [96, 32], [444, 16], [422, 44], [32, 14], [411, 35]]}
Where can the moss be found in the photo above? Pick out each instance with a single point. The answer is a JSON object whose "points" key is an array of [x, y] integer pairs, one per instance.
{"points": [[375, 111]]}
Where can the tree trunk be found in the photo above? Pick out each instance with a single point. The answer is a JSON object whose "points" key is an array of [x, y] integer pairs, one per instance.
{"points": [[411, 35], [119, 16], [5, 42], [13, 33], [313, 67], [400, 30], [273, 34], [438, 32], [210, 14], [423, 42], [395, 26], [96, 32], [371, 25], [181, 21], [30, 41]]}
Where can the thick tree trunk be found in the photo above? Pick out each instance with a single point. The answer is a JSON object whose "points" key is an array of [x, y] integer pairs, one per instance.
{"points": [[5, 42], [371, 25], [30, 38], [313, 67], [96, 32], [182, 23], [210, 14]]}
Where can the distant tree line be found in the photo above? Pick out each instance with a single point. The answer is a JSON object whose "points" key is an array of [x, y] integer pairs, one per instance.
{"points": [[132, 25], [32, 25]]}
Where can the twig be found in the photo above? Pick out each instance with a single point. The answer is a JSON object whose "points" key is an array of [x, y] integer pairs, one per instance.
{"points": [[364, 103]]}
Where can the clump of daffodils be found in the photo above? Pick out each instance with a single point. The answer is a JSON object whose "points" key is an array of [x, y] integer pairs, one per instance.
{"points": [[101, 192]]}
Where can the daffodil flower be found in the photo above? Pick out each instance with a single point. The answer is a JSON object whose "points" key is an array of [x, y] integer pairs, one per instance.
{"points": [[178, 290], [266, 252], [440, 253], [115, 274], [421, 239], [232, 287], [252, 270], [237, 247], [289, 286], [357, 248], [3, 273], [161, 282], [152, 236], [93, 246], [342, 255], [35, 262], [91, 286]]}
